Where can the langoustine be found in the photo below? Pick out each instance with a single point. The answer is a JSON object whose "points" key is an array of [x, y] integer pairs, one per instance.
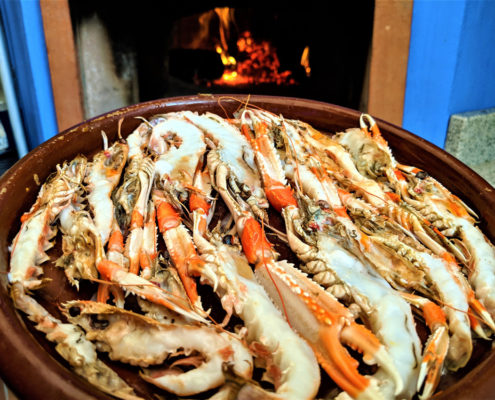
{"points": [[455, 221], [179, 145], [425, 273], [102, 178], [73, 346], [132, 197], [138, 340], [34, 238]]}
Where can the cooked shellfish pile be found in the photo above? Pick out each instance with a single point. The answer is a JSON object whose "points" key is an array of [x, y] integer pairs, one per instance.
{"points": [[183, 203]]}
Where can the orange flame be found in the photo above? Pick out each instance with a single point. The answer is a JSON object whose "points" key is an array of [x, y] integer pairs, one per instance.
{"points": [[225, 15], [305, 61]]}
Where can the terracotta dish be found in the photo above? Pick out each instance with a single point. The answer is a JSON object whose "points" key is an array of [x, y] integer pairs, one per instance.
{"points": [[28, 363]]}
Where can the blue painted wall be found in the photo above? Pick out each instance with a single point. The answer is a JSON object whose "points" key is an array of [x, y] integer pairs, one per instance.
{"points": [[27, 50], [451, 65], [474, 81]]}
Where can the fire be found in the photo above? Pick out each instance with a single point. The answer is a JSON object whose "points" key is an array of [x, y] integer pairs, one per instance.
{"points": [[258, 63], [249, 62]]}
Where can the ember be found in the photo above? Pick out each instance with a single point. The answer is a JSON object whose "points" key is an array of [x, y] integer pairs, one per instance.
{"points": [[258, 63]]}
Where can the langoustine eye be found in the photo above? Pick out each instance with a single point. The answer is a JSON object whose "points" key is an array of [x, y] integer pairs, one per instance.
{"points": [[74, 311]]}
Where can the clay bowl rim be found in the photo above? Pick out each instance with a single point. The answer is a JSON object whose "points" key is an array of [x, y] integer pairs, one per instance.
{"points": [[31, 363]]}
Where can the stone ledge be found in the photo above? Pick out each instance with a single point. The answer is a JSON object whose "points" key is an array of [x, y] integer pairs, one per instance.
{"points": [[471, 136], [471, 139]]}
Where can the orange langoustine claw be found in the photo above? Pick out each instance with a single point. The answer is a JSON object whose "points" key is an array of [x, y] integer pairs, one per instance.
{"points": [[179, 245], [141, 287], [140, 212], [115, 253], [131, 198]]}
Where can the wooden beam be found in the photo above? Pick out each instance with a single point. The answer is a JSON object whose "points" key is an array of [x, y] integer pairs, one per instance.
{"points": [[62, 59], [389, 57]]}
